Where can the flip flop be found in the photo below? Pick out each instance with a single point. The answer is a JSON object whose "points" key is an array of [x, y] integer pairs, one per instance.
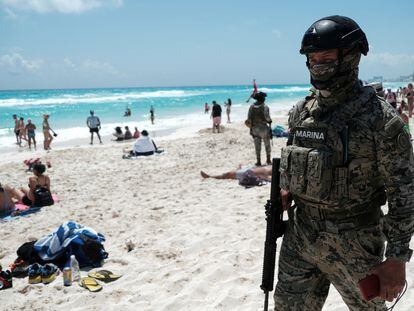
{"points": [[104, 276], [90, 284]]}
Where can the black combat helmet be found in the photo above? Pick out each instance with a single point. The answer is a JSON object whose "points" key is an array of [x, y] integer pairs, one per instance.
{"points": [[334, 32]]}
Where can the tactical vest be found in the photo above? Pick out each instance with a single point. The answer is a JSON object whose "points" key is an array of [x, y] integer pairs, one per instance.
{"points": [[258, 114], [331, 162]]}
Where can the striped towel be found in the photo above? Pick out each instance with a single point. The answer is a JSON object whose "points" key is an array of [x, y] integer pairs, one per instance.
{"points": [[53, 245]]}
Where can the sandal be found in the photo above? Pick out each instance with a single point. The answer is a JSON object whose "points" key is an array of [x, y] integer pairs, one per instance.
{"points": [[104, 276], [90, 284]]}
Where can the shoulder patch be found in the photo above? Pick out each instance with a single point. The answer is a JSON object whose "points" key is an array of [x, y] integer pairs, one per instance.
{"points": [[403, 141], [393, 126]]}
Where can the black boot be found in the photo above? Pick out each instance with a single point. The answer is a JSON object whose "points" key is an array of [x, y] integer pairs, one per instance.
{"points": [[268, 160]]}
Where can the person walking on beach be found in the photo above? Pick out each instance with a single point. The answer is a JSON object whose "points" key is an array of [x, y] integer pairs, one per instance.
{"points": [[206, 108], [94, 125], [16, 129], [228, 109], [46, 132], [410, 99], [259, 122], [31, 135], [216, 116], [152, 114], [346, 155]]}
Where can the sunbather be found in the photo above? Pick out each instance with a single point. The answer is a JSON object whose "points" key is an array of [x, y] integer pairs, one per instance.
{"points": [[6, 200], [39, 179], [262, 172]]}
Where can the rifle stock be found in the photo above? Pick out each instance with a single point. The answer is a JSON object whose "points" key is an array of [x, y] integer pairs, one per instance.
{"points": [[274, 229]]}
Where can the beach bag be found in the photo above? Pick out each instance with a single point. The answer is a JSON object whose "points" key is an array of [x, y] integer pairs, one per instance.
{"points": [[42, 197], [248, 180], [88, 250]]}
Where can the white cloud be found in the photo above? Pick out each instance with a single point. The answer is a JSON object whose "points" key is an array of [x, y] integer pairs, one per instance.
{"points": [[60, 6], [15, 63], [389, 59]]}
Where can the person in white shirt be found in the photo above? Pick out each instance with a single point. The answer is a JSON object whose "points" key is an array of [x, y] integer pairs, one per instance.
{"points": [[94, 125], [144, 145]]}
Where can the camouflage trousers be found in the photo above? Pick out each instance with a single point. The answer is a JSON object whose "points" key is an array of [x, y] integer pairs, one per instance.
{"points": [[260, 133], [311, 259]]}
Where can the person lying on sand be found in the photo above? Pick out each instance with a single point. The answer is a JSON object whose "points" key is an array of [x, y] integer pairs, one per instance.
{"points": [[262, 172]]}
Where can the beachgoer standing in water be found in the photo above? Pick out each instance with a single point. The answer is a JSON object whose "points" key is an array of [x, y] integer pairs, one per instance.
{"points": [[22, 130], [46, 132], [152, 116], [31, 135], [206, 108], [228, 109], [94, 125], [16, 129], [216, 116], [410, 99]]}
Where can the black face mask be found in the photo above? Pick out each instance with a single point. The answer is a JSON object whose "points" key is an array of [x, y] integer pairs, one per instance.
{"points": [[324, 72]]}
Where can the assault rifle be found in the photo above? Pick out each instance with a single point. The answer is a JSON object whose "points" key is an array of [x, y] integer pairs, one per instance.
{"points": [[274, 229]]}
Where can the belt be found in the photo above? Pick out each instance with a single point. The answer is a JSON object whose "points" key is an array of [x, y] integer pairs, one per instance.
{"points": [[337, 221]]}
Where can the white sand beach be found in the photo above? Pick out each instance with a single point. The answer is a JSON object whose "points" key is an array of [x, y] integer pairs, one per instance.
{"points": [[198, 244]]}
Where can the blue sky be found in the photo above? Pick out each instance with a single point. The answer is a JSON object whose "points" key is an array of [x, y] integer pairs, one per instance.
{"points": [[126, 43]]}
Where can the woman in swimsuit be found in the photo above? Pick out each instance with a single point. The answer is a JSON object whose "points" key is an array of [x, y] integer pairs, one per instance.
{"points": [[39, 179]]}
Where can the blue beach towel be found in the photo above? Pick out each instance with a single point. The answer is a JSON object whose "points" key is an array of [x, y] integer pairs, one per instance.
{"points": [[72, 238]]}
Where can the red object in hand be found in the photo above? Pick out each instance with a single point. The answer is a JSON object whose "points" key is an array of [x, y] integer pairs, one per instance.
{"points": [[369, 287]]}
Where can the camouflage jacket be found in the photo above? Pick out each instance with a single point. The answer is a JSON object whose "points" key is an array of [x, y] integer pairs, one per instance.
{"points": [[378, 154]]}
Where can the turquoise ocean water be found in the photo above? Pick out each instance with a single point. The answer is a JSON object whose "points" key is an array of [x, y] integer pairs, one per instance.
{"points": [[176, 108]]}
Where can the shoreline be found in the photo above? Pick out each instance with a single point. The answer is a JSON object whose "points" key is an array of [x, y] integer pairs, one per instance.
{"points": [[158, 134]]}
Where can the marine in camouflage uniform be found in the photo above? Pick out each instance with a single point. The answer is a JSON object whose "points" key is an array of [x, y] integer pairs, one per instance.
{"points": [[347, 154], [259, 122]]}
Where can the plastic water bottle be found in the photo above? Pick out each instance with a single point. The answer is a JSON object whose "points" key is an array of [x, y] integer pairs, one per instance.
{"points": [[74, 266]]}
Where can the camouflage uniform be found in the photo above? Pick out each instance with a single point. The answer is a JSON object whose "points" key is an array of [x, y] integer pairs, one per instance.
{"points": [[343, 153], [259, 118]]}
